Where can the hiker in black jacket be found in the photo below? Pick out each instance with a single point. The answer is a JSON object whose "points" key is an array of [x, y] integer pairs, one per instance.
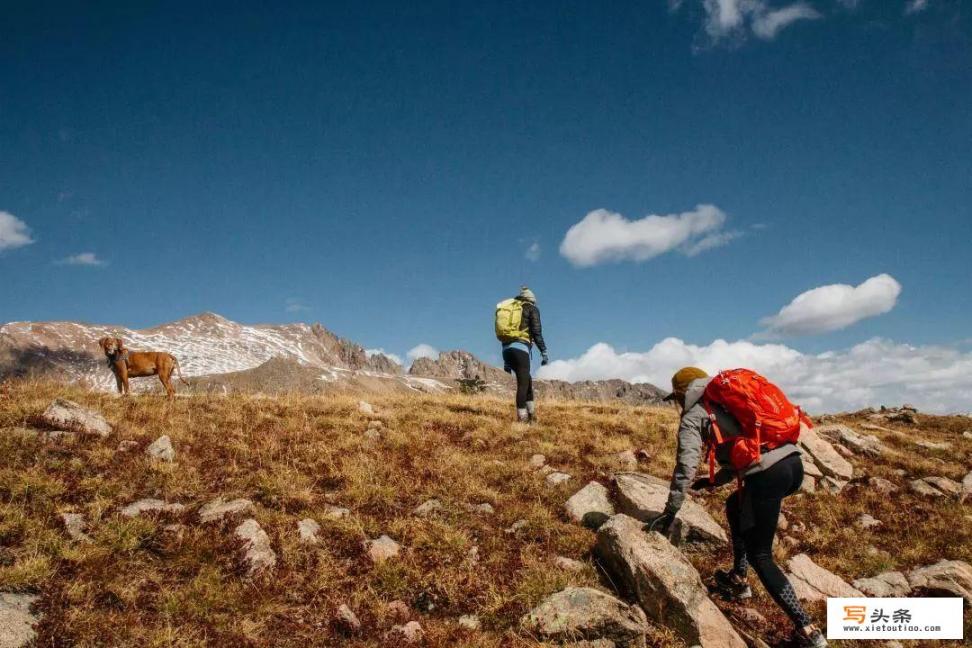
{"points": [[516, 354]]}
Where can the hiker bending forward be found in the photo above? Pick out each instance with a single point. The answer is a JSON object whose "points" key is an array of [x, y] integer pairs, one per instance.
{"points": [[753, 511], [518, 329]]}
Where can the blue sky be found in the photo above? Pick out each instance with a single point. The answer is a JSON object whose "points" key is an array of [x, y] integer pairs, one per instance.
{"points": [[384, 169]]}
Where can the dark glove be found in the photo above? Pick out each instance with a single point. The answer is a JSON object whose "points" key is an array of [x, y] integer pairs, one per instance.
{"points": [[702, 483], [662, 523], [544, 359]]}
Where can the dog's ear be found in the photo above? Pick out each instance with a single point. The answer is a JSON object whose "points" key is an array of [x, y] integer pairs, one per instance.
{"points": [[103, 343], [120, 343]]}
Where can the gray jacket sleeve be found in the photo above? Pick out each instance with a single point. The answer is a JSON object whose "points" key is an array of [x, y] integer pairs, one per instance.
{"points": [[687, 457]]}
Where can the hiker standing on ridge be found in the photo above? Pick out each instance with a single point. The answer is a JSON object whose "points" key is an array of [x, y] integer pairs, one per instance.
{"points": [[747, 426], [518, 328]]}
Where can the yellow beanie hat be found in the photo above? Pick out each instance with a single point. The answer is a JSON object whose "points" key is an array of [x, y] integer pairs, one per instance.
{"points": [[682, 379]]}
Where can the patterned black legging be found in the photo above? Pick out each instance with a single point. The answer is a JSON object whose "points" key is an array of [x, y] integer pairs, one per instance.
{"points": [[519, 361], [752, 523]]}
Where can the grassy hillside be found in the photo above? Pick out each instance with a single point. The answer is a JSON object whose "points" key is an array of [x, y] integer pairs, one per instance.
{"points": [[169, 580]]}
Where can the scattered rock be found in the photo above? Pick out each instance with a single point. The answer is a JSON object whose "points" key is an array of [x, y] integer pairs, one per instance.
{"points": [[874, 428], [863, 443], [398, 611], [783, 524], [946, 485], [967, 434], [366, 408], [625, 460], [375, 425], [882, 485], [907, 417], [151, 506], [809, 484], [259, 554], [335, 512], [750, 616], [126, 445], [220, 508], [557, 478], [832, 485], [538, 461], [410, 633], [372, 435], [865, 521], [485, 508], [161, 449], [569, 564], [346, 620], [890, 584], [427, 508], [469, 622], [666, 585], [814, 583], [933, 445], [587, 613], [936, 487], [67, 414], [308, 530], [473, 555], [382, 549], [516, 526], [810, 468], [16, 621], [824, 456], [843, 451], [643, 497], [944, 578], [75, 526], [546, 470], [590, 506], [966, 487]]}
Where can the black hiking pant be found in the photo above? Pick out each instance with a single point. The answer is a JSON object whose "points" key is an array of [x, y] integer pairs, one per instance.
{"points": [[519, 361], [752, 524]]}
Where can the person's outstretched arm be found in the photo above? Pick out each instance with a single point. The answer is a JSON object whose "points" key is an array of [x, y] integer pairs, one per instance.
{"points": [[536, 331], [686, 459]]}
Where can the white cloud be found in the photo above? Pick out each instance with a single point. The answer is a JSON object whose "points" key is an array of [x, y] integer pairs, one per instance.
{"points": [[734, 20], [14, 232], [83, 259], [767, 25], [915, 6], [876, 372], [295, 305], [391, 356], [533, 252], [833, 307], [422, 351], [603, 236]]}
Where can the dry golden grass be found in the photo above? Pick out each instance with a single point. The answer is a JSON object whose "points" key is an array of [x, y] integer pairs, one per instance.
{"points": [[138, 584]]}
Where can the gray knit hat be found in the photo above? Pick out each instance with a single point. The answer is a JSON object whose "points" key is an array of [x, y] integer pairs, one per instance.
{"points": [[527, 295]]}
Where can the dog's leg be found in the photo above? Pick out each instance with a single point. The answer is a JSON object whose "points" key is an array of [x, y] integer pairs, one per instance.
{"points": [[123, 374], [119, 383], [166, 378]]}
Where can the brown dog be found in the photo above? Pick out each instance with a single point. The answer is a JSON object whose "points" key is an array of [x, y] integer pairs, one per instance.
{"points": [[127, 364]]}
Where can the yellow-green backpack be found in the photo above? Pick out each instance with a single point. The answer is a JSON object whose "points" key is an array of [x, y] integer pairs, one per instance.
{"points": [[509, 319]]}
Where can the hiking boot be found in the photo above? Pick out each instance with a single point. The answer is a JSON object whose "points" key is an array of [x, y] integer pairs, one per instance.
{"points": [[812, 639], [531, 408], [522, 415], [731, 586]]}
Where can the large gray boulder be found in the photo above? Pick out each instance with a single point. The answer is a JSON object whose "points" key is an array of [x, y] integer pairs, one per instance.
{"points": [[590, 506], [16, 621], [864, 443], [161, 449], [664, 582], [814, 583], [824, 456], [71, 416], [890, 584], [643, 497], [259, 554], [944, 578], [578, 613]]}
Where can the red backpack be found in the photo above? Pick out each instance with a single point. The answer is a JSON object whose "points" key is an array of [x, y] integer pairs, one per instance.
{"points": [[766, 417]]}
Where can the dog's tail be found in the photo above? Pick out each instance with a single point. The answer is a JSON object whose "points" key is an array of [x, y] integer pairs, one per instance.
{"points": [[179, 372]]}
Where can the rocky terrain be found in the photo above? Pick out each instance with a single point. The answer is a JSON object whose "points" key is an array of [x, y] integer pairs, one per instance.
{"points": [[220, 356], [431, 520]]}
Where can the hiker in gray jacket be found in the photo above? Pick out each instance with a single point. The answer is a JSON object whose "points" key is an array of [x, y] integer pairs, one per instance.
{"points": [[753, 511]]}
